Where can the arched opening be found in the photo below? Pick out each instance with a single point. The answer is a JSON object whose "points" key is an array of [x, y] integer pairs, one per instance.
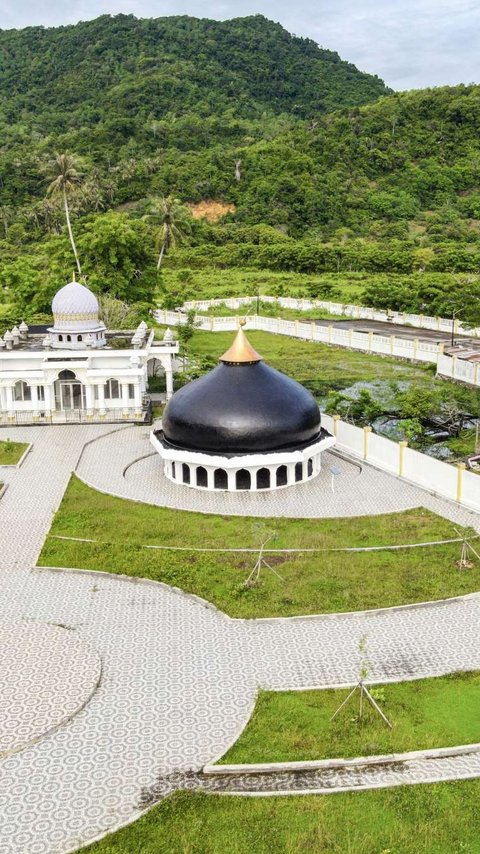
{"points": [[202, 479], [298, 472], [174, 471], [220, 479], [243, 479], [79, 337], [156, 378], [69, 392], [69, 337], [185, 473], [60, 337], [282, 476], [310, 467], [22, 391], [263, 478]]}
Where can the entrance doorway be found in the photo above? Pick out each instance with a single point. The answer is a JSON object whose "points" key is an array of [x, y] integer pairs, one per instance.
{"points": [[69, 392]]}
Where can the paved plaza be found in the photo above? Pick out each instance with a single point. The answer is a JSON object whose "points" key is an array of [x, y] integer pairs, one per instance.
{"points": [[178, 679]]}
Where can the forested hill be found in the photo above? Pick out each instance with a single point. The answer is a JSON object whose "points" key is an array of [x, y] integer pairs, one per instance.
{"points": [[102, 84]]}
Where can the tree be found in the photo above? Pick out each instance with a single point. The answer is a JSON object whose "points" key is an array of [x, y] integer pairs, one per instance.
{"points": [[67, 178], [173, 220]]}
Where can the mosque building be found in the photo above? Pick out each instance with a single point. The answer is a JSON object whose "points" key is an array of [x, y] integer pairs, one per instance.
{"points": [[76, 370], [242, 426]]}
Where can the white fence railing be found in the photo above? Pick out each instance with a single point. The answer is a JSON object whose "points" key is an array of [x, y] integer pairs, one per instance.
{"points": [[363, 312], [452, 482], [369, 342]]}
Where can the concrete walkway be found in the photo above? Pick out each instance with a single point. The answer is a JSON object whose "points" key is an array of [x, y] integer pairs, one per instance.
{"points": [[178, 679]]}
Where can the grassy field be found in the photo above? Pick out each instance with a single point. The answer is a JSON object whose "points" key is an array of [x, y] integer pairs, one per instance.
{"points": [[287, 726], [216, 284], [271, 310], [11, 452], [436, 819], [312, 583]]}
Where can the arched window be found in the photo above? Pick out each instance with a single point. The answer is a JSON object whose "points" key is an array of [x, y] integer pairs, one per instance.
{"points": [[282, 476], [243, 479], [298, 471], [22, 391], [220, 479], [69, 337], [263, 478], [79, 337], [112, 390], [60, 337], [173, 471], [310, 467], [186, 473], [66, 375], [202, 479]]}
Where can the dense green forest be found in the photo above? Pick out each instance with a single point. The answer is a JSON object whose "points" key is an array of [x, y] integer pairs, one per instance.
{"points": [[320, 167]]}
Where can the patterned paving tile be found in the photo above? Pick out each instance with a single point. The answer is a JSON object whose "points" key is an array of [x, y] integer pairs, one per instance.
{"points": [[178, 679], [47, 674]]}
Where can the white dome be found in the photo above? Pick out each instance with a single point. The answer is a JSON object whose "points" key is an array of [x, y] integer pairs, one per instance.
{"points": [[75, 299]]}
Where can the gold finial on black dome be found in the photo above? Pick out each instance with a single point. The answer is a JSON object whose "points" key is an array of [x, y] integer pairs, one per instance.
{"points": [[241, 351]]}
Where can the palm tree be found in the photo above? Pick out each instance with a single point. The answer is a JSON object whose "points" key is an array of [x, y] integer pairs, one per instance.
{"points": [[173, 218], [66, 178]]}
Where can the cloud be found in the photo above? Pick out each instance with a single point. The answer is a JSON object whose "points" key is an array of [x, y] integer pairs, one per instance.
{"points": [[409, 43]]}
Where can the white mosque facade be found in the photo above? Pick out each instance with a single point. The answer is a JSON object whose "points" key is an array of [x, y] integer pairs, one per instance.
{"points": [[77, 370]]}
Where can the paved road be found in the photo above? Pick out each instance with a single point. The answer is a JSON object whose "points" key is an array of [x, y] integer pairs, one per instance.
{"points": [[408, 332], [179, 679]]}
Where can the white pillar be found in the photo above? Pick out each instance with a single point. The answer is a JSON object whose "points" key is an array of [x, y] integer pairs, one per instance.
{"points": [[48, 391], [101, 397], [89, 405], [9, 396], [34, 394], [169, 383], [290, 474], [210, 478], [231, 477], [138, 395], [125, 398]]}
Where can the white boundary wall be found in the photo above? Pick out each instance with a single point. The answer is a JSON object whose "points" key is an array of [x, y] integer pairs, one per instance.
{"points": [[422, 321], [452, 482], [369, 342]]}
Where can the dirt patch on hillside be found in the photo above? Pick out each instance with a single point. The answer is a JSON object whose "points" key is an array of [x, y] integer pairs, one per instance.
{"points": [[211, 210]]}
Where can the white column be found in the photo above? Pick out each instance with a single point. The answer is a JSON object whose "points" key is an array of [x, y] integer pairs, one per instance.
{"points": [[9, 395], [169, 383], [125, 399], [290, 474], [101, 397], [34, 393], [231, 475], [89, 405], [48, 397], [138, 395], [210, 478]]}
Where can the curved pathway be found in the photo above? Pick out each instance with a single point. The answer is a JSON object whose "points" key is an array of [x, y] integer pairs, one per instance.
{"points": [[124, 463], [179, 679]]}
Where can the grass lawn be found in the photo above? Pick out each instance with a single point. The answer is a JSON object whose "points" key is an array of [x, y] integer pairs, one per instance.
{"points": [[11, 452], [287, 726], [434, 819], [313, 583]]}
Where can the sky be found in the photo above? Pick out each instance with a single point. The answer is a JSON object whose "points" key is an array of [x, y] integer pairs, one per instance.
{"points": [[411, 44]]}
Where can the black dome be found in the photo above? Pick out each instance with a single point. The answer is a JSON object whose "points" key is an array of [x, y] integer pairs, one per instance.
{"points": [[241, 407]]}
